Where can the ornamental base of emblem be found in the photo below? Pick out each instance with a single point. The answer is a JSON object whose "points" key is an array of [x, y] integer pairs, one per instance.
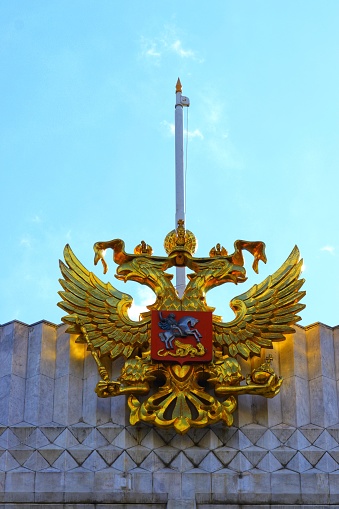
{"points": [[184, 397], [182, 403]]}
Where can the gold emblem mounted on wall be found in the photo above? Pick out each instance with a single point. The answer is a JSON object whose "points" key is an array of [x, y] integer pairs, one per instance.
{"points": [[180, 356]]}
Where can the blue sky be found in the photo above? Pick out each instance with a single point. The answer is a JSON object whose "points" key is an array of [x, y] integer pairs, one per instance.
{"points": [[87, 150]]}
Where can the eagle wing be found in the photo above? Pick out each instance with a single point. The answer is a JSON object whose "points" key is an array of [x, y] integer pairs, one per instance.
{"points": [[101, 309], [265, 312]]}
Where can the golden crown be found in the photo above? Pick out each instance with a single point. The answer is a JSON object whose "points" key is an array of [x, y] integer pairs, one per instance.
{"points": [[180, 240]]}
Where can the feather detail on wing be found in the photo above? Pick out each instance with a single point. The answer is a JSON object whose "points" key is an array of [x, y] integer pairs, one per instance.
{"points": [[101, 310], [265, 312]]}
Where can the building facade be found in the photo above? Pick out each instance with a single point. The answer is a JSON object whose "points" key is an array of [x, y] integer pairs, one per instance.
{"points": [[60, 444]]}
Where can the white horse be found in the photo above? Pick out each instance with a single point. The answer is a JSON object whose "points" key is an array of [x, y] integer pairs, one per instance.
{"points": [[181, 329]]}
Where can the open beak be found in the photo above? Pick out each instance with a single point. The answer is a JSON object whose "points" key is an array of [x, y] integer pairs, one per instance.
{"points": [[238, 275], [123, 274]]}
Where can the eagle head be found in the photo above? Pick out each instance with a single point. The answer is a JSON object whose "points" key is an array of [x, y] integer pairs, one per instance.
{"points": [[218, 272]]}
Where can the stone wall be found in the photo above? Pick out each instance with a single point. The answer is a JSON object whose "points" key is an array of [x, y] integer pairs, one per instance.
{"points": [[61, 445]]}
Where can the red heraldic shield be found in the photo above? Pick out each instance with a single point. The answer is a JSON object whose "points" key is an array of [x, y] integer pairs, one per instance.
{"points": [[181, 336]]}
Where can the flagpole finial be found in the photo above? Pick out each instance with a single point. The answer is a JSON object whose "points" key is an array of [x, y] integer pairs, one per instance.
{"points": [[178, 86]]}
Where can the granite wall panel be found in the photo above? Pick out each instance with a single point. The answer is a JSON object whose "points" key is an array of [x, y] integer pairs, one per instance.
{"points": [[60, 444]]}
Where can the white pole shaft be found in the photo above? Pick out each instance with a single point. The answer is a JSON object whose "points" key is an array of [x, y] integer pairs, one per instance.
{"points": [[180, 206]]}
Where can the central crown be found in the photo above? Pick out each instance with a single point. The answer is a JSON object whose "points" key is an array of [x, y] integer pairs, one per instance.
{"points": [[180, 240]]}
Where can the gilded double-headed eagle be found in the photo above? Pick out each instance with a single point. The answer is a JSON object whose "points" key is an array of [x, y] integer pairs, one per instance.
{"points": [[98, 314]]}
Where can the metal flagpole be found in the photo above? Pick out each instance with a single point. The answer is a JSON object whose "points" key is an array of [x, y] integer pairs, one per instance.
{"points": [[180, 209]]}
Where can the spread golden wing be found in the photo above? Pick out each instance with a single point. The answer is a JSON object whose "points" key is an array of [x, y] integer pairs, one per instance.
{"points": [[265, 312], [101, 310]]}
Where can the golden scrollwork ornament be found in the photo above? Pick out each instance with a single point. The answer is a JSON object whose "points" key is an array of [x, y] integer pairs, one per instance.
{"points": [[180, 357]]}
